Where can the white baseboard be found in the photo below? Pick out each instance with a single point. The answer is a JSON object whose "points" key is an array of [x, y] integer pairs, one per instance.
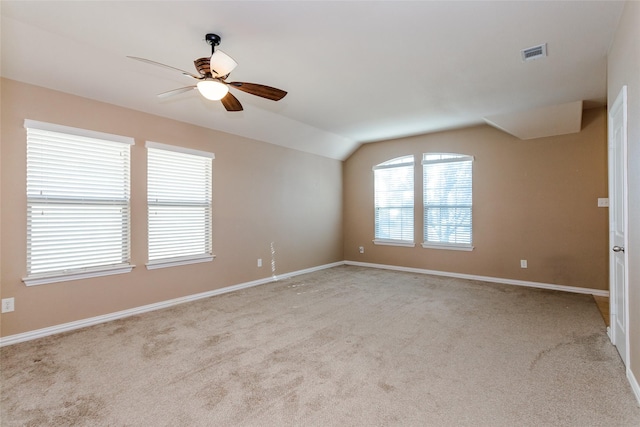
{"points": [[551, 286], [310, 270], [634, 384], [66, 327]]}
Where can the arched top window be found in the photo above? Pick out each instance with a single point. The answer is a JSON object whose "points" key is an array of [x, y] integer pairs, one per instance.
{"points": [[394, 194], [397, 162], [447, 186]]}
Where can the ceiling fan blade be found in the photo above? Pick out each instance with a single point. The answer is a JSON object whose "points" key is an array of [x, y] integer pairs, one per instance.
{"points": [[202, 65], [231, 103], [148, 61], [176, 91], [260, 90]]}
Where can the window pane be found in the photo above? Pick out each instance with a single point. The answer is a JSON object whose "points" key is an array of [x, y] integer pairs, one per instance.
{"points": [[66, 237], [448, 225], [394, 223], [176, 231]]}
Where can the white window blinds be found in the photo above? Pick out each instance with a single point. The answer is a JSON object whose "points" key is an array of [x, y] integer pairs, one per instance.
{"points": [[393, 187], [77, 203], [447, 185], [179, 191]]}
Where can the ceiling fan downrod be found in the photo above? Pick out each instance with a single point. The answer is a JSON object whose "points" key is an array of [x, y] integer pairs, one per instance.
{"points": [[213, 40]]}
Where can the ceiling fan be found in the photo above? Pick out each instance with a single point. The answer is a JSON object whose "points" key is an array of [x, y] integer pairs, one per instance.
{"points": [[212, 74]]}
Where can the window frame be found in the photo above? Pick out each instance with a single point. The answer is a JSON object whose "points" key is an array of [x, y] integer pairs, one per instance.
{"points": [[397, 162], [207, 254], [37, 130], [446, 158]]}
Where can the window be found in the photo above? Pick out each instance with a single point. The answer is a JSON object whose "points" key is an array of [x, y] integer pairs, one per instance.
{"points": [[393, 182], [447, 184], [179, 205], [77, 203]]}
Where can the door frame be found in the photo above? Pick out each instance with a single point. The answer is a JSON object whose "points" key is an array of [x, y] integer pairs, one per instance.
{"points": [[619, 103]]}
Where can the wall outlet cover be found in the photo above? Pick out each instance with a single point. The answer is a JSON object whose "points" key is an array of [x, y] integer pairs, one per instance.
{"points": [[8, 305]]}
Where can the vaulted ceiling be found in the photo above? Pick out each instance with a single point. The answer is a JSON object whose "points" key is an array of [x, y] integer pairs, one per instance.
{"points": [[356, 71]]}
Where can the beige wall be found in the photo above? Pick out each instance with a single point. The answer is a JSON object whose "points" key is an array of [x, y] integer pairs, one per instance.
{"points": [[624, 69], [533, 200], [262, 193]]}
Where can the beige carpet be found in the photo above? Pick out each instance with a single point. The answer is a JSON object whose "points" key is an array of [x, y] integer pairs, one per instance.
{"points": [[347, 346]]}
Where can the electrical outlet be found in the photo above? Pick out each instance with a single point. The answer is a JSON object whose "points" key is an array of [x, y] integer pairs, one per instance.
{"points": [[259, 262], [523, 263], [361, 249], [8, 305], [603, 202]]}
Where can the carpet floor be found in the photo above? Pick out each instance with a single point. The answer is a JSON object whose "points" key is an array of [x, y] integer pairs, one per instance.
{"points": [[346, 346]]}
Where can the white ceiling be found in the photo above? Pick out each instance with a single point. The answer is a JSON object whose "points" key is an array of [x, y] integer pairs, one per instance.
{"points": [[539, 122], [356, 71]]}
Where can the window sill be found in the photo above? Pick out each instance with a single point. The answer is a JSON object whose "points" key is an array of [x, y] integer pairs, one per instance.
{"points": [[174, 262], [447, 247], [394, 243], [86, 274]]}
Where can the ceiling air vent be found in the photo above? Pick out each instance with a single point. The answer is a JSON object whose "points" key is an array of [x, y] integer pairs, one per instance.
{"points": [[534, 52]]}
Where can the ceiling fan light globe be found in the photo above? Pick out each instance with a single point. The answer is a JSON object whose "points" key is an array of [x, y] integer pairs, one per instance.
{"points": [[221, 64], [213, 90]]}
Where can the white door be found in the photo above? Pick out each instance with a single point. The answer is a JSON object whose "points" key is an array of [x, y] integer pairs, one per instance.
{"points": [[618, 223]]}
